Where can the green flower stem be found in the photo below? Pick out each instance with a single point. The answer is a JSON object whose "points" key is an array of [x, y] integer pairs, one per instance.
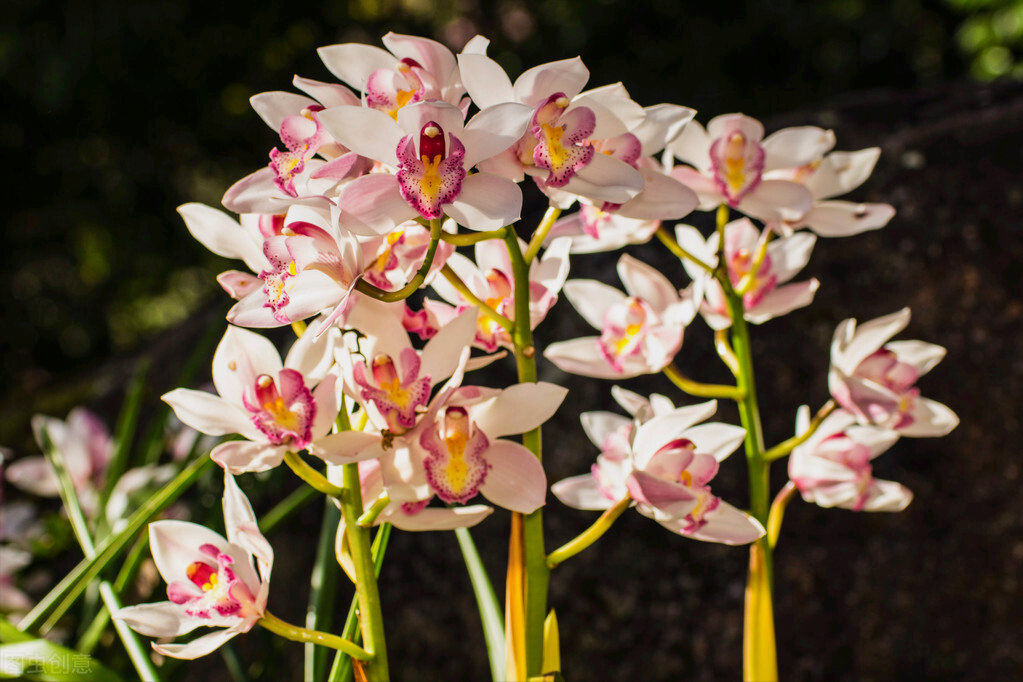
{"points": [[366, 587], [672, 244], [138, 654], [759, 657], [311, 476], [298, 634], [342, 668], [590, 535], [725, 351], [470, 238], [455, 281], [536, 575], [542, 230], [378, 506], [787, 446], [781, 501], [322, 591], [701, 390], [417, 280]]}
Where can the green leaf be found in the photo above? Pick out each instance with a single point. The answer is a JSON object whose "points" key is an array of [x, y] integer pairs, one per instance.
{"points": [[54, 605], [38, 659], [490, 610], [9, 633]]}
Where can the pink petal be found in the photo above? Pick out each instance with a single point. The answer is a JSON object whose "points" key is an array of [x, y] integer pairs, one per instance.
{"points": [[516, 479], [581, 492], [592, 299], [656, 492], [783, 300], [729, 526], [599, 426], [434, 57], [33, 475], [239, 284], [175, 545], [647, 283], [921, 355], [245, 456], [664, 428], [373, 205]]}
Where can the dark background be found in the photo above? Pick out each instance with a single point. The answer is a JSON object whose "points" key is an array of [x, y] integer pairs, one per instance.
{"points": [[114, 114]]}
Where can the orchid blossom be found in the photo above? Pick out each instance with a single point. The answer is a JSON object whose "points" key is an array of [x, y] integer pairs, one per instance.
{"points": [[210, 579], [426, 154], [730, 160], [640, 332], [666, 465], [555, 149], [832, 468], [766, 294], [311, 267], [277, 407], [875, 379]]}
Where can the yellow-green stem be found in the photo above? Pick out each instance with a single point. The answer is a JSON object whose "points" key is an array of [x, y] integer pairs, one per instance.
{"points": [[470, 238], [455, 281], [417, 280], [725, 351], [536, 575], [759, 658], [672, 244], [378, 506], [702, 390], [299, 634], [311, 476], [787, 446], [774, 519], [365, 576], [542, 230], [590, 535]]}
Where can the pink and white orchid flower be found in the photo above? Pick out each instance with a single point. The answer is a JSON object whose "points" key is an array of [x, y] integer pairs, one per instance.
{"points": [[555, 149], [830, 175], [491, 279], [87, 448], [210, 579], [767, 296], [312, 266], [832, 468], [392, 259], [666, 464], [414, 70], [275, 406], [640, 332], [730, 160], [430, 151], [875, 379]]}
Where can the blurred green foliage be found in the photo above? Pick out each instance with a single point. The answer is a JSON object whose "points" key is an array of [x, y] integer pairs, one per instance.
{"points": [[991, 35]]}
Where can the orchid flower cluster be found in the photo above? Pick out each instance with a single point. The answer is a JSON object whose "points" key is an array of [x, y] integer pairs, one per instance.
{"points": [[407, 178]]}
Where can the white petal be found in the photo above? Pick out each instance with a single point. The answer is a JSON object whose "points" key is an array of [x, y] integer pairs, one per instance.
{"points": [[716, 439], [486, 202], [592, 299], [866, 339], [197, 647], [662, 429], [175, 546], [921, 355], [663, 124], [844, 218], [693, 146], [368, 132], [581, 492], [493, 130], [599, 425], [246, 456], [241, 357], [729, 526], [33, 475], [606, 179], [354, 62], [206, 413], [243, 530], [221, 234], [274, 107], [783, 300], [433, 518], [777, 200], [790, 255], [795, 147], [842, 172], [441, 354], [348, 446], [373, 205], [931, 419], [519, 408], [162, 619], [255, 193], [567, 76], [583, 357], [485, 80]]}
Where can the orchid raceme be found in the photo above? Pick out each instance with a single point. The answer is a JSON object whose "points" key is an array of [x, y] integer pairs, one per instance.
{"points": [[640, 332], [665, 464], [875, 379], [766, 294], [833, 467], [210, 579]]}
